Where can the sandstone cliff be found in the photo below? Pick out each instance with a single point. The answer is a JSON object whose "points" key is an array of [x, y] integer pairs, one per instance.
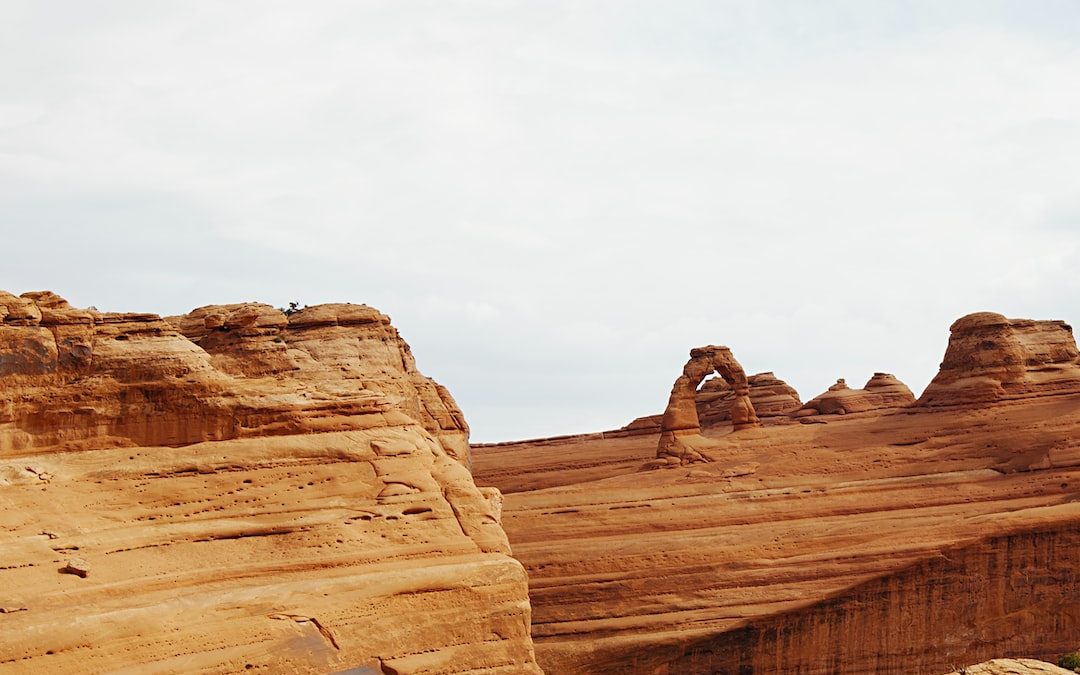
{"points": [[1012, 667], [991, 358], [237, 490]]}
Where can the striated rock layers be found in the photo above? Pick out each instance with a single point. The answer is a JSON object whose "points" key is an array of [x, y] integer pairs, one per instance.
{"points": [[889, 544], [236, 489], [882, 392], [770, 396], [1012, 667], [680, 429], [325, 368], [991, 358]]}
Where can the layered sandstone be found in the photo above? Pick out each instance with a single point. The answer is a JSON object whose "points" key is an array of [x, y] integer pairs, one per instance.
{"points": [[84, 379], [237, 489], [898, 543], [346, 348], [1012, 667], [770, 396], [882, 392], [991, 358]]}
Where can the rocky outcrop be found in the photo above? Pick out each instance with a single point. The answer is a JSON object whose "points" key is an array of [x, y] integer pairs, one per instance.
{"points": [[646, 571], [1012, 667], [680, 429], [991, 358], [238, 490], [80, 379], [882, 392], [890, 543], [770, 396], [342, 346]]}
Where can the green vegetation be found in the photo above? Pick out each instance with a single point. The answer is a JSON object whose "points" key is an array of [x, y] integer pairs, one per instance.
{"points": [[1070, 661]]}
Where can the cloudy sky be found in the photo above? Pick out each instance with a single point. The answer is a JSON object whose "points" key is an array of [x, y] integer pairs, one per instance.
{"points": [[556, 200]]}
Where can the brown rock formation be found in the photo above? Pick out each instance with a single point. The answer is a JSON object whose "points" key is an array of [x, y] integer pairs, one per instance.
{"points": [[345, 347], [882, 392], [991, 358], [893, 544], [680, 430], [769, 395], [238, 490], [331, 367], [1012, 667]]}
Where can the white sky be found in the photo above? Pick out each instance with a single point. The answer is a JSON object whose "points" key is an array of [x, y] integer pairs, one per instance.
{"points": [[555, 201]]}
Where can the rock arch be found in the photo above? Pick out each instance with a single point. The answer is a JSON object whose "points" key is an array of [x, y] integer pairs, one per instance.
{"points": [[680, 426]]}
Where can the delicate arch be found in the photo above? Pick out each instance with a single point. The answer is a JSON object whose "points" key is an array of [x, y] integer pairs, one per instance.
{"points": [[681, 416]]}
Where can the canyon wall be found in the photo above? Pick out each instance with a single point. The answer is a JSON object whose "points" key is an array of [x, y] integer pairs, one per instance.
{"points": [[84, 379], [235, 490], [1013, 595]]}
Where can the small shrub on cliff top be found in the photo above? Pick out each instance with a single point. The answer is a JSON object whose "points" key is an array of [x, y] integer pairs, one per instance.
{"points": [[1070, 661]]}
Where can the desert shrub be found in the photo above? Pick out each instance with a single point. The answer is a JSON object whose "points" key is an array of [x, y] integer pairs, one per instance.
{"points": [[1070, 661]]}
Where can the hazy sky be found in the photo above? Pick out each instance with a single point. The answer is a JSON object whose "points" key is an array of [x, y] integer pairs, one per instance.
{"points": [[556, 200]]}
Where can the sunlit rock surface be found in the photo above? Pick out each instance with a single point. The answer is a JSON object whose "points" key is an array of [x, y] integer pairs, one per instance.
{"points": [[882, 392], [239, 490], [991, 358], [910, 539], [1012, 667]]}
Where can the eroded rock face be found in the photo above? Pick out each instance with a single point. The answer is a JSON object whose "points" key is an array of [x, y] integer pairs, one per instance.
{"points": [[770, 396], [680, 428], [872, 546], [1012, 667], [241, 490], [888, 544], [991, 358], [344, 347], [80, 379], [882, 392]]}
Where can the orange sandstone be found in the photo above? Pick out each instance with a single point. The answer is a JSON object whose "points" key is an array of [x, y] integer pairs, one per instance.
{"points": [[907, 540], [882, 392], [236, 489]]}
